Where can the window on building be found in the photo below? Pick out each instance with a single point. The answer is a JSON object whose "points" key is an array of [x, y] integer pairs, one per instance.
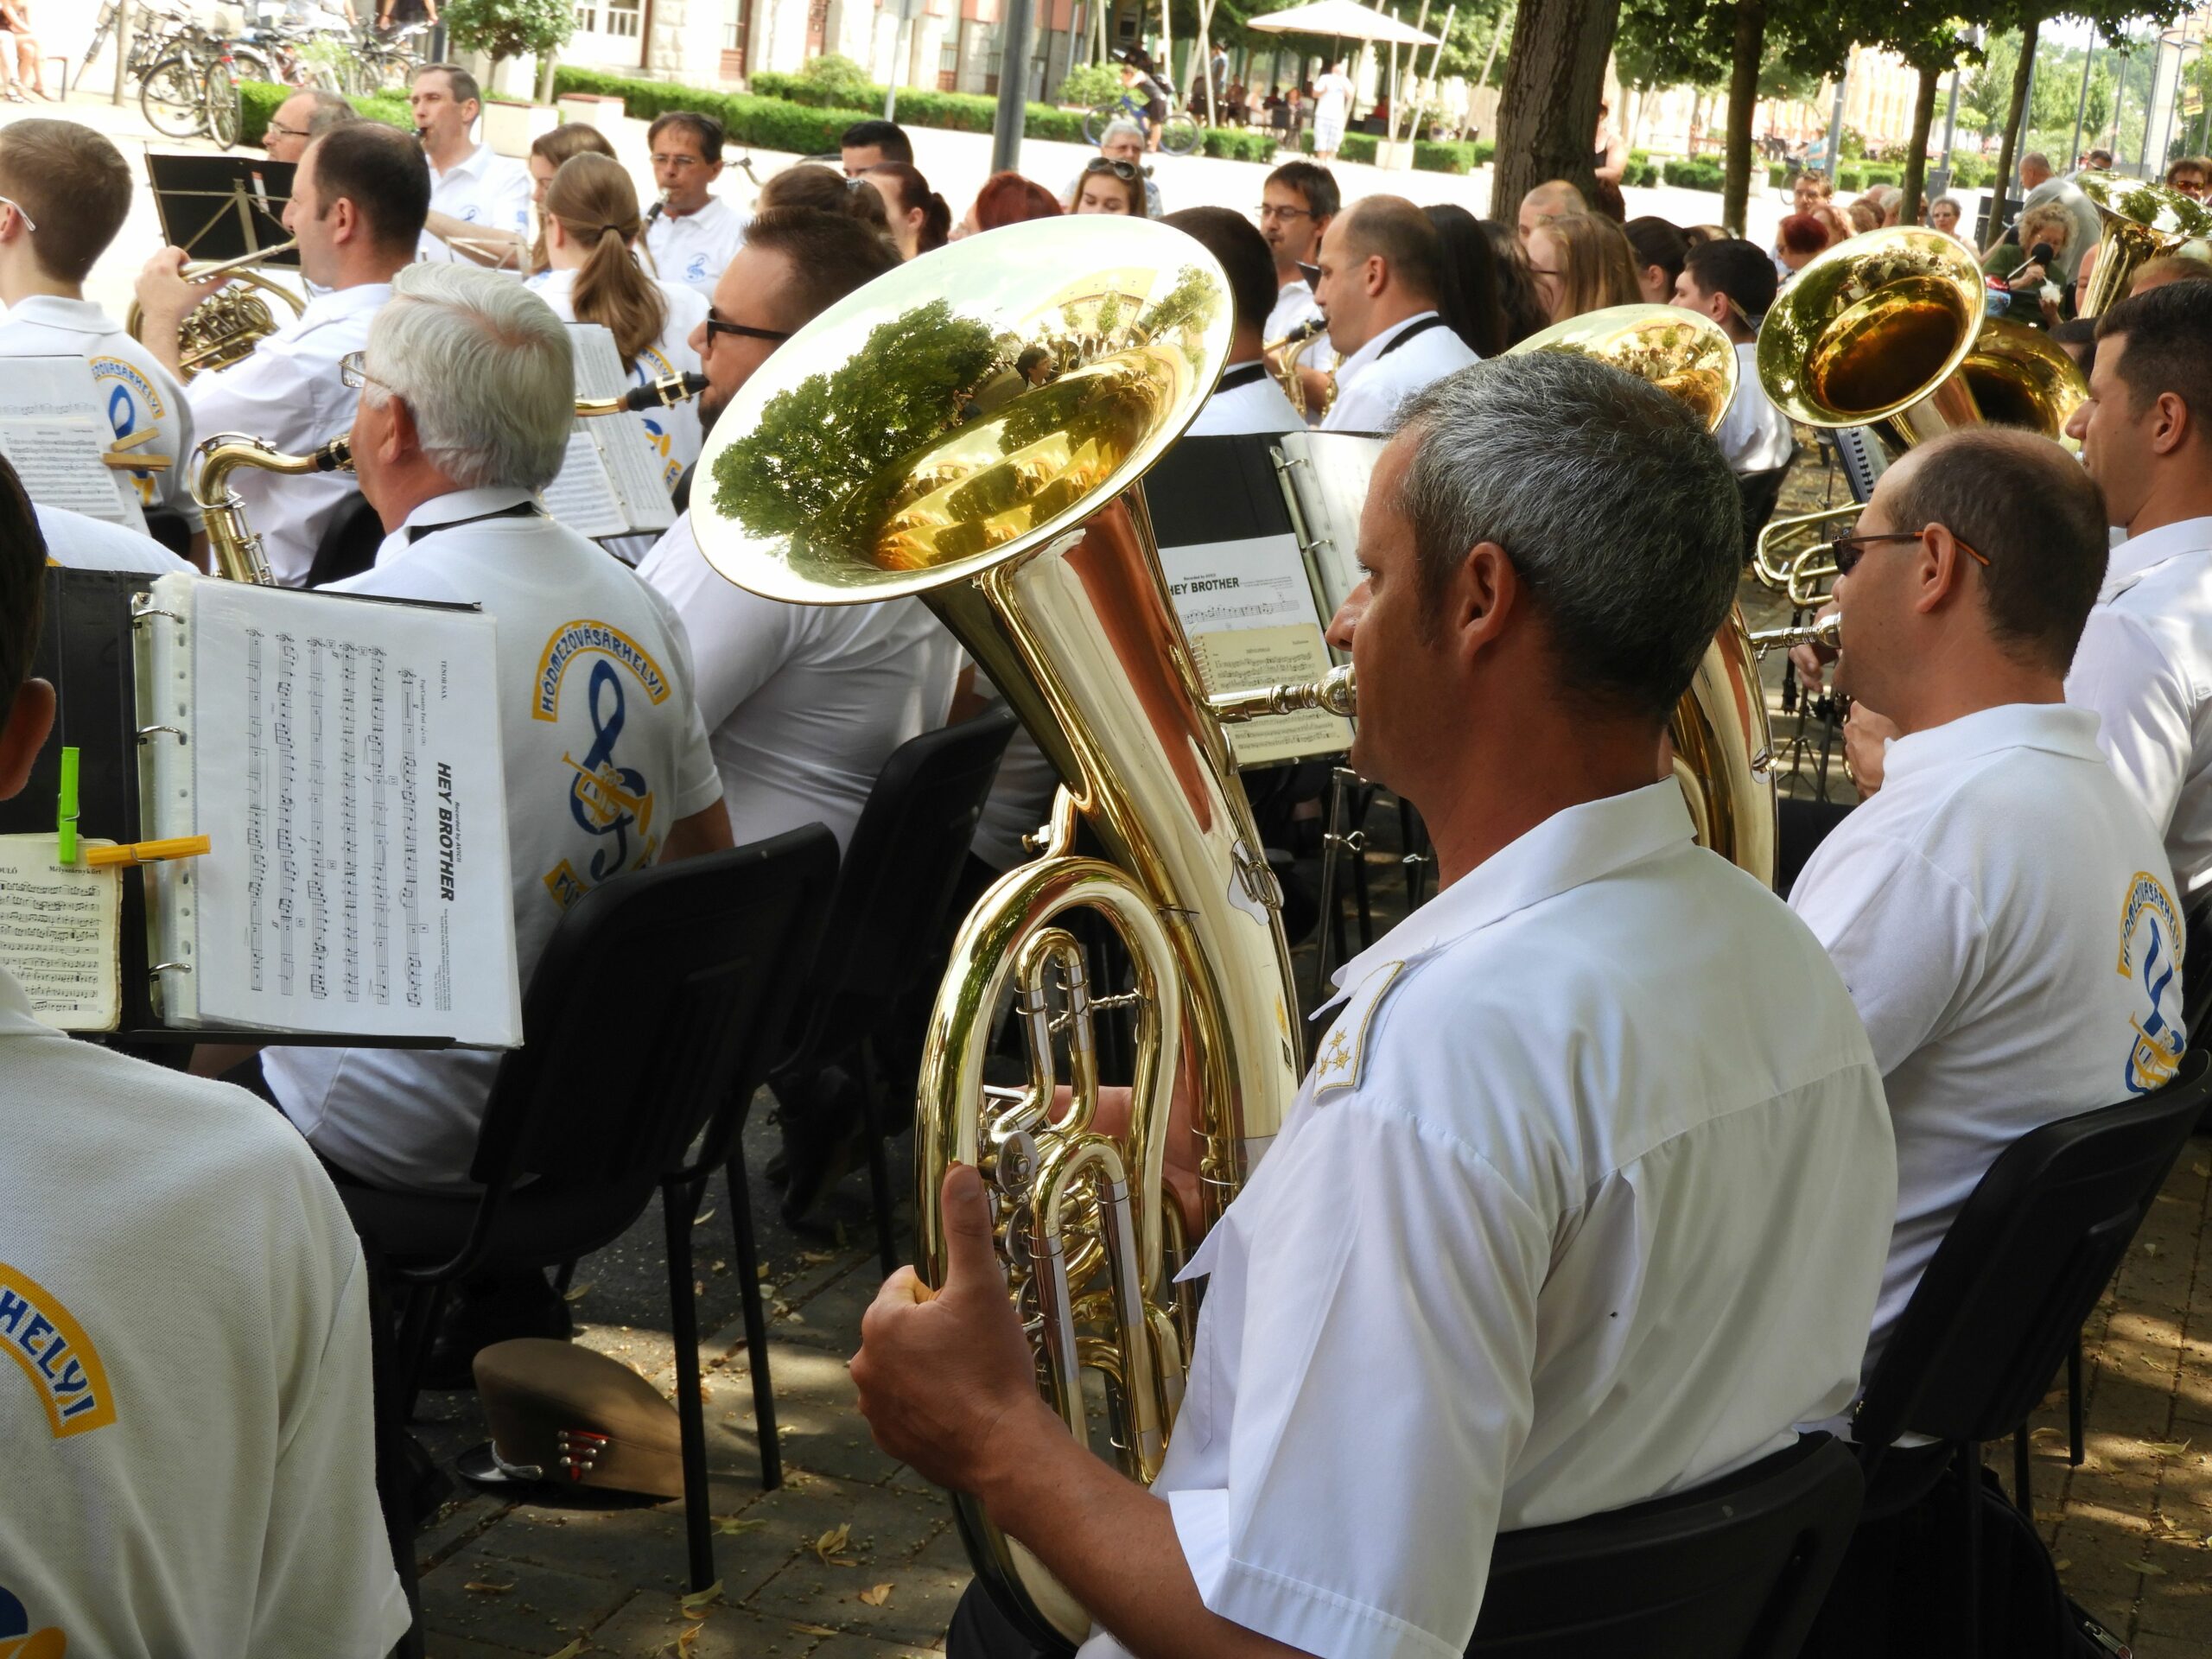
{"points": [[991, 62], [948, 65], [623, 17], [733, 22]]}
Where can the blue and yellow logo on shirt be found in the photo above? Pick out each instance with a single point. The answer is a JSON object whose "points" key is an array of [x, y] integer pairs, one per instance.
{"points": [[55, 1355], [2151, 940], [608, 800], [18, 1640], [133, 403]]}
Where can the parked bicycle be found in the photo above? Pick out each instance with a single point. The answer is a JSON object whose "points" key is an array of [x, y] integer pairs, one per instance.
{"points": [[1179, 132], [155, 30], [385, 60]]}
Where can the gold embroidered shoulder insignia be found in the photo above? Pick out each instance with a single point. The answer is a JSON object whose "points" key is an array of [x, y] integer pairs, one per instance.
{"points": [[1343, 1051]]}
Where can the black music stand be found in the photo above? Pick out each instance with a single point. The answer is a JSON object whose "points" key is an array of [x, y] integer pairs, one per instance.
{"points": [[222, 207]]}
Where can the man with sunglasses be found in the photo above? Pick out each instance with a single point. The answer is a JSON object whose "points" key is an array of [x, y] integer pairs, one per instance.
{"points": [[804, 704], [1973, 905]]}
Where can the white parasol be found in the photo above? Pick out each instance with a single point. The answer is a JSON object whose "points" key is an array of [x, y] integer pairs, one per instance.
{"points": [[1346, 19]]}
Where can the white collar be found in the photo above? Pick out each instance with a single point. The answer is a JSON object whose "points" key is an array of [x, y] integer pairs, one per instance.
{"points": [[331, 303], [2055, 727], [79, 316], [475, 162], [669, 215], [446, 509], [2138, 556], [1380, 343], [1571, 848]]}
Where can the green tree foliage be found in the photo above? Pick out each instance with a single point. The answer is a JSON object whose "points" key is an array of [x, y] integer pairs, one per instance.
{"points": [[509, 29]]}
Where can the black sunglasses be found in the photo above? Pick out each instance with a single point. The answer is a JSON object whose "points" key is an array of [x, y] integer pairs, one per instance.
{"points": [[1847, 550], [716, 326], [1126, 171]]}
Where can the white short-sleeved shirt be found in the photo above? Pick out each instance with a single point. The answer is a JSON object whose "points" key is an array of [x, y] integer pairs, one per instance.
{"points": [[1753, 434], [673, 433], [136, 390], [694, 250], [804, 703], [604, 753], [1983, 960], [79, 543], [2145, 664], [1382, 374], [1247, 399], [482, 187], [1562, 1220], [289, 392], [191, 1460]]}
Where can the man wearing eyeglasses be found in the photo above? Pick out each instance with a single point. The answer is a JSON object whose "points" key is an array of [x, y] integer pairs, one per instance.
{"points": [[802, 703], [2000, 909], [300, 120], [1296, 204], [691, 231]]}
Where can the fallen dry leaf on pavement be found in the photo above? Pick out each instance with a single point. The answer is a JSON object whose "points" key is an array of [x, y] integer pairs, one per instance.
{"points": [[737, 1523], [480, 1586], [876, 1595], [830, 1546], [699, 1600]]}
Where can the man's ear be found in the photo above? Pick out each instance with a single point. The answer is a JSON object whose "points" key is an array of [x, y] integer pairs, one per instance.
{"points": [[30, 719], [1480, 598], [1374, 273], [2171, 425], [1939, 568]]}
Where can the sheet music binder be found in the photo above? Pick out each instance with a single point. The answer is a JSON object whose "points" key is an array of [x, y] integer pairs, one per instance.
{"points": [[222, 207]]}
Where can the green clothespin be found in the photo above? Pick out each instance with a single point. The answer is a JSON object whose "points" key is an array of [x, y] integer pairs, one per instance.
{"points": [[64, 823]]}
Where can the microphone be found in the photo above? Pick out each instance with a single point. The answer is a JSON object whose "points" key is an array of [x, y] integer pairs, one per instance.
{"points": [[2042, 254]]}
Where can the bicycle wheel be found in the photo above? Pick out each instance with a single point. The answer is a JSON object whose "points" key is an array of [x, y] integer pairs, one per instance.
{"points": [[222, 94], [1178, 134], [1095, 122], [172, 97]]}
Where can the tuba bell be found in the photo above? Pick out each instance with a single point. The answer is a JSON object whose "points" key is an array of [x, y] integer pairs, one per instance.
{"points": [[225, 327], [970, 430], [1889, 330], [2141, 219]]}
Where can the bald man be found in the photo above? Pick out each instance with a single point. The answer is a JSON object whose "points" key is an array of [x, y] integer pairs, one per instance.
{"points": [[1547, 201], [1382, 281]]}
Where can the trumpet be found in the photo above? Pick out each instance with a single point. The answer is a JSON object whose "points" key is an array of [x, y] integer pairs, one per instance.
{"points": [[1333, 693], [1820, 631], [228, 324]]}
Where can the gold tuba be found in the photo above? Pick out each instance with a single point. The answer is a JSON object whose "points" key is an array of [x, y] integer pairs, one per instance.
{"points": [[2141, 219], [225, 327], [983, 452], [1889, 330]]}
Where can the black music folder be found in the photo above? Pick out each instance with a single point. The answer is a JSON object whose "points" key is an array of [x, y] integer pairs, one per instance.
{"points": [[222, 207]]}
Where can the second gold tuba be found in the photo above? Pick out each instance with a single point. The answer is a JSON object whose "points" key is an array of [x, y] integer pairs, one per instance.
{"points": [[970, 430], [2141, 219]]}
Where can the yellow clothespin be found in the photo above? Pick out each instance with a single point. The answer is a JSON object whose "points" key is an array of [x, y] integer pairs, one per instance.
{"points": [[148, 852]]}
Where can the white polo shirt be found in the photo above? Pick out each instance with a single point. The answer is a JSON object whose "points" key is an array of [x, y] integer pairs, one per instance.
{"points": [[1753, 434], [804, 703], [693, 250], [672, 433], [1247, 399], [191, 1467], [604, 753], [1983, 958], [136, 391], [1294, 303], [2145, 664], [80, 542], [482, 187], [1562, 1219], [289, 392], [1382, 374]]}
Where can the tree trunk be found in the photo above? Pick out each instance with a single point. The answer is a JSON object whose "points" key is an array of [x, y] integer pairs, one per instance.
{"points": [[2008, 151], [1915, 157], [1548, 113], [1742, 101]]}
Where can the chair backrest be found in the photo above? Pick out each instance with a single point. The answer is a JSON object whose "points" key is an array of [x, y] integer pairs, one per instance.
{"points": [[900, 868], [2008, 1289], [1734, 1569], [349, 543], [661, 997]]}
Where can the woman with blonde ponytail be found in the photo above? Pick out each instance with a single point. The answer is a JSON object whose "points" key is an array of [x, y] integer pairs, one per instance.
{"points": [[591, 223]]}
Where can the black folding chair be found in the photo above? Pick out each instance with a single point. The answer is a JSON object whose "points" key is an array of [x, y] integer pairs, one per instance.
{"points": [[349, 543], [1734, 1569], [1758, 493], [887, 920], [619, 1072], [2005, 1298]]}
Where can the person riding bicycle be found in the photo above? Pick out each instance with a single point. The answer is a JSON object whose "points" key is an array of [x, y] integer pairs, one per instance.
{"points": [[1139, 82]]}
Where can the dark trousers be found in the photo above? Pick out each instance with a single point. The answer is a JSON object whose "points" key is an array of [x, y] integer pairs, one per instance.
{"points": [[980, 1630]]}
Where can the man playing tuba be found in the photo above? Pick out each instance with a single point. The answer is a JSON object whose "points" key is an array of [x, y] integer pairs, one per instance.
{"points": [[1556, 1223]]}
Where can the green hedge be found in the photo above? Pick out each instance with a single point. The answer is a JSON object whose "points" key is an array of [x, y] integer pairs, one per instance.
{"points": [[1433, 157], [1699, 174], [258, 101], [1971, 172], [775, 122]]}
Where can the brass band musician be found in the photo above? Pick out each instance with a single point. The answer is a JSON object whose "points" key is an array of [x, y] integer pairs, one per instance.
{"points": [[1491, 1204]]}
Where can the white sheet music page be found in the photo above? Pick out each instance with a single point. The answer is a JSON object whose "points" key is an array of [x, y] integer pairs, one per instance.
{"points": [[1248, 610], [53, 433], [623, 493], [345, 763], [61, 932], [1328, 482]]}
